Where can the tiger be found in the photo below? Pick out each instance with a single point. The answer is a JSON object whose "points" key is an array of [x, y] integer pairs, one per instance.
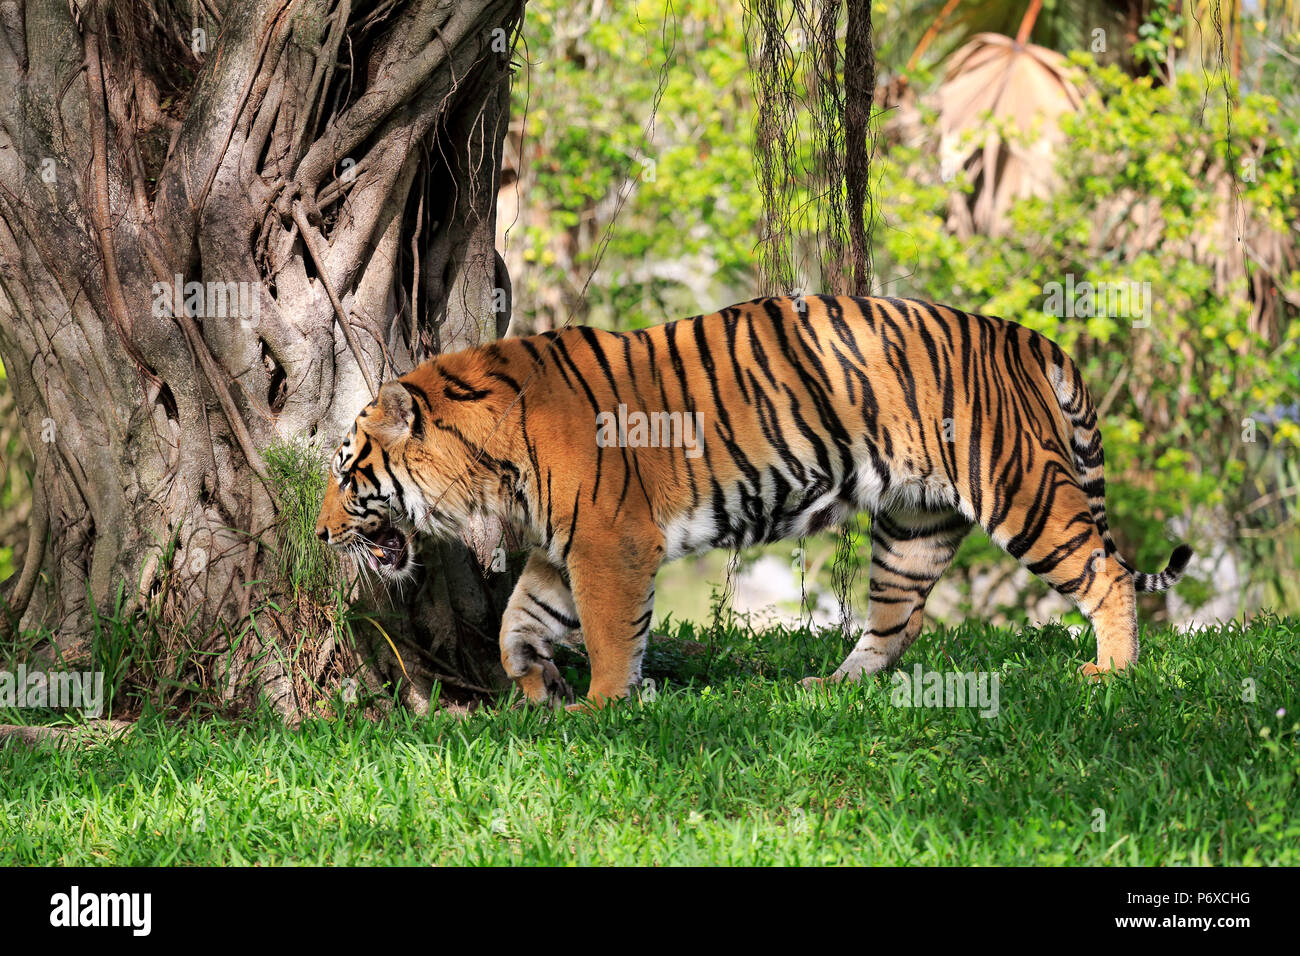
{"points": [[615, 452]]}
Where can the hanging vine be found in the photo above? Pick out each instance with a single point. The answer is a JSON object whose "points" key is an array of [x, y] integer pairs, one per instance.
{"points": [[816, 194]]}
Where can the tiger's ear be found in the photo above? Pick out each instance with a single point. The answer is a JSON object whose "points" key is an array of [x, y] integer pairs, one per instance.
{"points": [[399, 411]]}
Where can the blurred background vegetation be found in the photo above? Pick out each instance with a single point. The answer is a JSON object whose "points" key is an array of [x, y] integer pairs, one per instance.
{"points": [[1151, 144], [1121, 143]]}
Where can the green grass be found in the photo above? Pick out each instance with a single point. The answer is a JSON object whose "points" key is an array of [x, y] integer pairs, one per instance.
{"points": [[731, 763], [297, 474]]}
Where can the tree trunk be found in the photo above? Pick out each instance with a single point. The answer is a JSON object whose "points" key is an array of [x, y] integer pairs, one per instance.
{"points": [[217, 238]]}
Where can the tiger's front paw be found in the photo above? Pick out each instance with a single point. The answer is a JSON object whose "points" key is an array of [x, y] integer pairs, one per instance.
{"points": [[815, 683], [558, 690], [1095, 672], [543, 685]]}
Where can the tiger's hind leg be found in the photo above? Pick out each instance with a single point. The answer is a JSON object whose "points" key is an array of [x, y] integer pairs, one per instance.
{"points": [[541, 612], [1113, 613], [910, 549], [1062, 544]]}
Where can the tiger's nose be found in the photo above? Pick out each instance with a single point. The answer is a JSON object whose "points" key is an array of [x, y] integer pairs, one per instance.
{"points": [[323, 534]]}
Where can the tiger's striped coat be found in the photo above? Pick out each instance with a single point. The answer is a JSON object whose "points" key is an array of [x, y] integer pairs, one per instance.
{"points": [[927, 417]]}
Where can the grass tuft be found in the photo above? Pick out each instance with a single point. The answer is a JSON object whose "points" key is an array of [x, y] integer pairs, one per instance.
{"points": [[297, 471]]}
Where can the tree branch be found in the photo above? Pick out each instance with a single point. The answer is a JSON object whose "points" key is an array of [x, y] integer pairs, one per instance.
{"points": [[309, 240]]}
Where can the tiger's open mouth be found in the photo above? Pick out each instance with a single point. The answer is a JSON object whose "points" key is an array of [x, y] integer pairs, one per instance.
{"points": [[387, 550]]}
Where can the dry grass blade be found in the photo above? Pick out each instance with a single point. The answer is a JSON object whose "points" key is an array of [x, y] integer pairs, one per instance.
{"points": [[378, 627]]}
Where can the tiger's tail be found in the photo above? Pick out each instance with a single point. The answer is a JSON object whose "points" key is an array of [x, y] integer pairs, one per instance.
{"points": [[1089, 462]]}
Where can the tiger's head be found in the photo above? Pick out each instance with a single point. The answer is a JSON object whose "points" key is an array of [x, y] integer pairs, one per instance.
{"points": [[364, 510], [402, 468]]}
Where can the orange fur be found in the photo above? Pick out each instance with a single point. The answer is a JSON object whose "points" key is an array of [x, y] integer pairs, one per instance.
{"points": [[807, 411]]}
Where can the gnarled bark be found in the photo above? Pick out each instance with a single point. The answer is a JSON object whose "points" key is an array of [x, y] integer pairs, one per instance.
{"points": [[338, 157]]}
